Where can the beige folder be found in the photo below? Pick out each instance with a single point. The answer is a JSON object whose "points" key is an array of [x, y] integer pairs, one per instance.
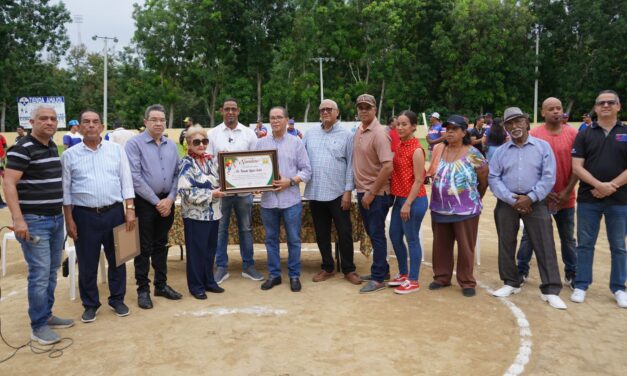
{"points": [[126, 243]]}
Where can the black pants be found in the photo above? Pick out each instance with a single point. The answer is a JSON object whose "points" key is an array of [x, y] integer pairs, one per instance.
{"points": [[322, 213], [201, 241], [540, 232], [153, 239], [96, 230]]}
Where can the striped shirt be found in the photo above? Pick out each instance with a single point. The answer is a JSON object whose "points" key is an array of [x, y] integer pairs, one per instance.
{"points": [[39, 191], [96, 178], [331, 157]]}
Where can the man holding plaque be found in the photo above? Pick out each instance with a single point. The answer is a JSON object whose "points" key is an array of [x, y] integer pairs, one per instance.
{"points": [[284, 201], [96, 180], [330, 151], [231, 135]]}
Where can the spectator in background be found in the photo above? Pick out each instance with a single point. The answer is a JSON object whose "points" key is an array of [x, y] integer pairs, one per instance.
{"points": [[435, 134], [20, 133], [119, 135], [488, 120], [494, 137], [74, 137], [565, 118], [394, 137], [3, 148], [587, 121], [476, 134], [293, 131], [260, 130], [187, 122]]}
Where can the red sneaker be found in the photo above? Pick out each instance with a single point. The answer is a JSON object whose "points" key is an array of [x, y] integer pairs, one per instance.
{"points": [[407, 287], [398, 280]]}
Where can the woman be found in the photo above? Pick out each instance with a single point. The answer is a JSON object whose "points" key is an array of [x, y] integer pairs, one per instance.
{"points": [[410, 204], [200, 206], [458, 186], [494, 137]]}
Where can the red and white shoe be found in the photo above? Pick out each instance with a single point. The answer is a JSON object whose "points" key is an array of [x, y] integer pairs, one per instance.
{"points": [[407, 287], [398, 280]]}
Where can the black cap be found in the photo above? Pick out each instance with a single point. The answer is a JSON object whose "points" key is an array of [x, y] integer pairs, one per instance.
{"points": [[456, 121]]}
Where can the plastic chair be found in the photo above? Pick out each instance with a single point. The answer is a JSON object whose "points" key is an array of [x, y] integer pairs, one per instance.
{"points": [[71, 255], [5, 239]]}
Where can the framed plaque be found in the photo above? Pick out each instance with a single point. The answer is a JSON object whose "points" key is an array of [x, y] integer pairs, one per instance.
{"points": [[248, 171]]}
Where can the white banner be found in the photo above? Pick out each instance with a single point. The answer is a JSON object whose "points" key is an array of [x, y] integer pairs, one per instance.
{"points": [[26, 104]]}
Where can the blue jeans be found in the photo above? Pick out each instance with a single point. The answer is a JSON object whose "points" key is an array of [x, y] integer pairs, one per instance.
{"points": [[588, 223], [565, 222], [374, 223], [271, 219], [43, 259], [411, 230], [242, 205]]}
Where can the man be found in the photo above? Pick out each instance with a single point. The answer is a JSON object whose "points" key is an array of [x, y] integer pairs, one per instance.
{"points": [[489, 119], [587, 121], [330, 151], [260, 130], [435, 134], [372, 168], [119, 135], [565, 117], [561, 200], [231, 135], [187, 122], [35, 206], [522, 174], [600, 162], [72, 138], [284, 201], [154, 166], [394, 137], [476, 134], [293, 131], [20, 133], [96, 181]]}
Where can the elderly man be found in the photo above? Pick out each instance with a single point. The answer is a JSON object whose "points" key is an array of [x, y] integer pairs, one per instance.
{"points": [[330, 151], [32, 187], [561, 200], [600, 162], [96, 180], [372, 168], [284, 201], [231, 135], [154, 161], [522, 174]]}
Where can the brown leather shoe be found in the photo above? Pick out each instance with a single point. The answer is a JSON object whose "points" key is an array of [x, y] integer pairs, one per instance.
{"points": [[353, 278], [322, 275]]}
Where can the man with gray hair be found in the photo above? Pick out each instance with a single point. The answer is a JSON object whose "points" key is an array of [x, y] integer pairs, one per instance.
{"points": [[33, 191], [154, 161], [330, 151]]}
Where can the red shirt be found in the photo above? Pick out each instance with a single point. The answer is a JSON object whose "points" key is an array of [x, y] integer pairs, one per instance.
{"points": [[562, 145], [396, 140], [3, 145], [403, 175]]}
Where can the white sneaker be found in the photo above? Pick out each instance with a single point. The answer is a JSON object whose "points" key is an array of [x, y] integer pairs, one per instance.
{"points": [[506, 291], [578, 296], [554, 301], [621, 298]]}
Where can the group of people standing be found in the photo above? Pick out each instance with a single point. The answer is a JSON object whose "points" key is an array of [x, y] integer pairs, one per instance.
{"points": [[100, 185]]}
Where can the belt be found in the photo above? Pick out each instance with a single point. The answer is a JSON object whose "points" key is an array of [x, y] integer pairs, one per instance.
{"points": [[101, 209], [163, 195]]}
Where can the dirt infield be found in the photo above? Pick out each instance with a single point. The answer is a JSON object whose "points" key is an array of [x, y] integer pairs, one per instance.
{"points": [[328, 328]]}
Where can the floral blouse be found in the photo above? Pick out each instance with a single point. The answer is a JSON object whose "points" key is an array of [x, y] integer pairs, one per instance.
{"points": [[454, 190], [195, 185]]}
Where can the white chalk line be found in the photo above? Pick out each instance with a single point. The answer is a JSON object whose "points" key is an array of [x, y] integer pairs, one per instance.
{"points": [[11, 294], [524, 331], [258, 311]]}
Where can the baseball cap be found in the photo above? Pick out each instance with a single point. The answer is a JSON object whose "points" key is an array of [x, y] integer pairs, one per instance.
{"points": [[512, 113], [456, 121], [73, 122], [368, 99], [291, 122], [585, 114], [186, 120], [565, 115], [435, 115]]}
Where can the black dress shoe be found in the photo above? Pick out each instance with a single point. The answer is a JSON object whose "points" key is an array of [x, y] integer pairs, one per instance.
{"points": [[295, 284], [168, 293], [215, 289], [201, 296], [143, 300], [468, 292], [270, 283]]}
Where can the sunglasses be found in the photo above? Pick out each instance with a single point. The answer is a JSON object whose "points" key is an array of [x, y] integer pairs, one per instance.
{"points": [[197, 142], [608, 103], [326, 109]]}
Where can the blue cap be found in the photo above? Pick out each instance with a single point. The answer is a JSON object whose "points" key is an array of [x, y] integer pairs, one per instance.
{"points": [[73, 123]]}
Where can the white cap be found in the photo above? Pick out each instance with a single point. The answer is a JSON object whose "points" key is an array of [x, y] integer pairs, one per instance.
{"points": [[435, 115]]}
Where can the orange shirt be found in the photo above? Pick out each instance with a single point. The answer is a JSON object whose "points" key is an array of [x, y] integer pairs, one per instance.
{"points": [[562, 145], [403, 176], [371, 148]]}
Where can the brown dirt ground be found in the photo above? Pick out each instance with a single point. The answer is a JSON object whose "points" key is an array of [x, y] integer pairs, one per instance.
{"points": [[328, 328]]}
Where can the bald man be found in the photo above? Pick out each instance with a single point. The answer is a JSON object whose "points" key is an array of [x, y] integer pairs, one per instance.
{"points": [[561, 201]]}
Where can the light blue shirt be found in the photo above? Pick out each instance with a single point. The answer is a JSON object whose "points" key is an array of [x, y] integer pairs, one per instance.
{"points": [[529, 170], [331, 157], [293, 161], [96, 178]]}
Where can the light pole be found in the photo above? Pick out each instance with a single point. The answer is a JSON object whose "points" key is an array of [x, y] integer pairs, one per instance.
{"points": [[320, 60], [104, 90], [537, 29]]}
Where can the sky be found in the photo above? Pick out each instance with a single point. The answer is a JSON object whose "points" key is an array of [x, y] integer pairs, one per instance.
{"points": [[111, 18]]}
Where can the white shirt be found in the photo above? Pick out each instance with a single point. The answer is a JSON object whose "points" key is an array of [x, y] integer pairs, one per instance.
{"points": [[224, 138], [120, 136]]}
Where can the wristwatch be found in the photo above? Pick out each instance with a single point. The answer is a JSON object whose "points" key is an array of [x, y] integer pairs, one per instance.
{"points": [[130, 207], [292, 182]]}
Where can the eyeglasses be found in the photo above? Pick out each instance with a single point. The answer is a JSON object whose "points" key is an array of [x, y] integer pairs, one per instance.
{"points": [[197, 142], [604, 103], [326, 109], [157, 121], [276, 118]]}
